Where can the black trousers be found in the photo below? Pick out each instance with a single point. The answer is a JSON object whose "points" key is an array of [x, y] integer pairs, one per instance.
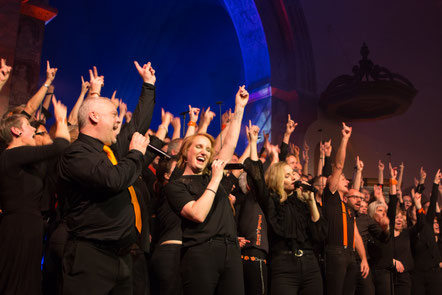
{"points": [[255, 271], [382, 279], [402, 283], [88, 269], [140, 272], [213, 267], [293, 275], [426, 282], [341, 270], [165, 263], [364, 286]]}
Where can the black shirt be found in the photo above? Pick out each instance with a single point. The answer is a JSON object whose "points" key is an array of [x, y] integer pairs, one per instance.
{"points": [[369, 229], [252, 222], [219, 221], [332, 209], [402, 250], [94, 191], [290, 224], [423, 243]]}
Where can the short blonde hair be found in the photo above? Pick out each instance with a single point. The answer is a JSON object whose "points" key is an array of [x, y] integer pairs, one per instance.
{"points": [[274, 178], [7, 123], [187, 142]]}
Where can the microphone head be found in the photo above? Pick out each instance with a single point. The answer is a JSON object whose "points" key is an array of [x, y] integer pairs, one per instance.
{"points": [[219, 102], [184, 113]]}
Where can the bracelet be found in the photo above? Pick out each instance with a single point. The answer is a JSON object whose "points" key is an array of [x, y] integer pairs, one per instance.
{"points": [[49, 93], [191, 123], [46, 85], [223, 126], [93, 93], [393, 182], [162, 126], [209, 189]]}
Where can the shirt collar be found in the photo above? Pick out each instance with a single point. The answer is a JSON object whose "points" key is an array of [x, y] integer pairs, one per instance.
{"points": [[92, 141]]}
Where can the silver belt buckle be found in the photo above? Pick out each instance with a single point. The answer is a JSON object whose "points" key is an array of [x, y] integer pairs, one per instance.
{"points": [[299, 253]]}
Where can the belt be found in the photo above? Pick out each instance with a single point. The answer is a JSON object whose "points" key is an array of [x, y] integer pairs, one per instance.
{"points": [[253, 258], [297, 253]]}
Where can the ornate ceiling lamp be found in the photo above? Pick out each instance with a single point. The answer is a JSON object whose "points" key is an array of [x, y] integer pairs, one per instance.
{"points": [[371, 93]]}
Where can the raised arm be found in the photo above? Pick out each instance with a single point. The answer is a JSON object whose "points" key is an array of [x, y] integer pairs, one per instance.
{"points": [[252, 132], [340, 159], [191, 126], [321, 159], [290, 127], [226, 118], [327, 169], [5, 72], [35, 101], [231, 139], [400, 175], [358, 174], [176, 124], [73, 116], [433, 198], [306, 158], [206, 119], [381, 167], [166, 119], [96, 82]]}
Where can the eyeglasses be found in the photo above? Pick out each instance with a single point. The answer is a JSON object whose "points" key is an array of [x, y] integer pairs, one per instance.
{"points": [[356, 197]]}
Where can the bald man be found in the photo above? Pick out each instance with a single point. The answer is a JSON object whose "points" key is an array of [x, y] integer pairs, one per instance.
{"points": [[96, 177]]}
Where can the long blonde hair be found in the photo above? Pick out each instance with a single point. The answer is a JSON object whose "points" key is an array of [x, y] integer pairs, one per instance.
{"points": [[274, 178], [182, 155]]}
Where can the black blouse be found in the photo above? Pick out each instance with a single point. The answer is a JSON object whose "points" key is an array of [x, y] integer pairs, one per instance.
{"points": [[290, 223]]}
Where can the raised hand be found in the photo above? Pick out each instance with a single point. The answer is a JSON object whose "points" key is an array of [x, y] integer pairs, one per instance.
{"points": [[128, 117], [146, 72], [60, 110], [115, 100], [346, 131], [84, 86], [306, 146], [193, 113], [296, 151], [381, 166], [5, 72], [290, 126], [50, 72], [423, 176], [122, 108], [166, 118], [242, 97], [305, 156], [96, 82], [393, 171], [359, 164], [377, 191], [252, 132], [208, 115], [417, 198], [437, 177], [176, 122]]}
